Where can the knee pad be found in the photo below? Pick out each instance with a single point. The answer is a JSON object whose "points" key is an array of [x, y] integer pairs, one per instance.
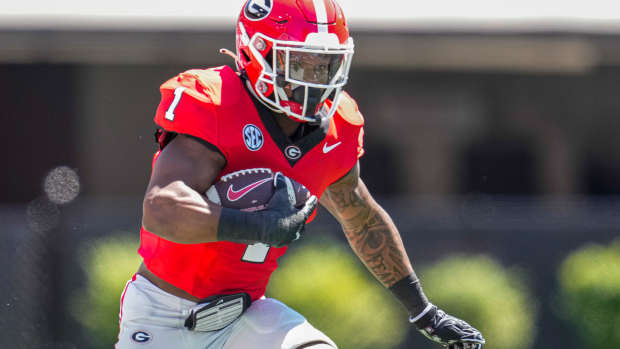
{"points": [[316, 345], [306, 336]]}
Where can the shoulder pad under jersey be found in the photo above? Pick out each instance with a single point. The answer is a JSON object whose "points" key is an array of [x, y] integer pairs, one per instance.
{"points": [[348, 110], [350, 115], [190, 101]]}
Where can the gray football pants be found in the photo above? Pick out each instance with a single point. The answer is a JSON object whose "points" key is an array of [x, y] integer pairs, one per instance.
{"points": [[153, 319]]}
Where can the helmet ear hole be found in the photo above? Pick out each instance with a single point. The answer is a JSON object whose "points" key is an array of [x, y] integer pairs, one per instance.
{"points": [[245, 56]]}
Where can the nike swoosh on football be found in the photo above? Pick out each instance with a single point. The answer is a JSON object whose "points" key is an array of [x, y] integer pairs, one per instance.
{"points": [[328, 148], [234, 195]]}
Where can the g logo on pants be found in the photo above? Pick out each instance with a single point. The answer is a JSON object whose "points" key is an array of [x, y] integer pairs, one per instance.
{"points": [[141, 337]]}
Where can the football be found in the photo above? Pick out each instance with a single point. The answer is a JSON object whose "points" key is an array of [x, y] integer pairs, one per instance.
{"points": [[251, 190]]}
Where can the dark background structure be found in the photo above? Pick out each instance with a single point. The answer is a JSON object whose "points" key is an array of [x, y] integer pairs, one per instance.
{"points": [[504, 143]]}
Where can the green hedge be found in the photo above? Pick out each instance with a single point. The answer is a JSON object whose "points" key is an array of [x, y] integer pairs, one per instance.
{"points": [[590, 294], [327, 284], [490, 297], [108, 264]]}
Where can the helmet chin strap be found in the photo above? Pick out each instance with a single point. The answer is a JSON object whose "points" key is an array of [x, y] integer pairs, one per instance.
{"points": [[228, 52]]}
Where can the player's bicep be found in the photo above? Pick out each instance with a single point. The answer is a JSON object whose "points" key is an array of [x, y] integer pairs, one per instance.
{"points": [[174, 205], [186, 160]]}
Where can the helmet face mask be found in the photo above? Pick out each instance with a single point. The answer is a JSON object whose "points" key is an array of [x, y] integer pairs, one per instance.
{"points": [[302, 78]]}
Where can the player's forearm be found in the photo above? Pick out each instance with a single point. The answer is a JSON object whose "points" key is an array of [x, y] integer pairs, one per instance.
{"points": [[375, 239], [180, 214], [369, 229]]}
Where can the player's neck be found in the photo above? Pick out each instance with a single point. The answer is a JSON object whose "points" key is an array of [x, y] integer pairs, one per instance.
{"points": [[288, 125]]}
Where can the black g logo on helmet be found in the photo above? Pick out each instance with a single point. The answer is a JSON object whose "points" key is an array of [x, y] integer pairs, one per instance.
{"points": [[258, 9]]}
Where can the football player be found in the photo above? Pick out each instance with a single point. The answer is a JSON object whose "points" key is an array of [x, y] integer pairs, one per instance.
{"points": [[205, 267]]}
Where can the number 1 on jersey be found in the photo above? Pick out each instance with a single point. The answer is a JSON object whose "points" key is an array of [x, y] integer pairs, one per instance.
{"points": [[255, 253], [178, 92]]}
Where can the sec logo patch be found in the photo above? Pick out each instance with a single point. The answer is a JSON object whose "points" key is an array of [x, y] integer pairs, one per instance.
{"points": [[141, 337], [253, 137]]}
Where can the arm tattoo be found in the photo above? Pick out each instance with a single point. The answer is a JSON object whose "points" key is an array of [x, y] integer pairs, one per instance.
{"points": [[369, 229]]}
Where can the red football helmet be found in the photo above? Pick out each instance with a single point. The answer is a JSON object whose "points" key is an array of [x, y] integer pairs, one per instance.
{"points": [[296, 55]]}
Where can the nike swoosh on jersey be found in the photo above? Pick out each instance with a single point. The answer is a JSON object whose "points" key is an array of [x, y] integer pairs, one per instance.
{"points": [[328, 148], [234, 195]]}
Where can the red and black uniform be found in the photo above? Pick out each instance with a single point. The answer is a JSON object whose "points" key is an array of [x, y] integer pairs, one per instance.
{"points": [[214, 105]]}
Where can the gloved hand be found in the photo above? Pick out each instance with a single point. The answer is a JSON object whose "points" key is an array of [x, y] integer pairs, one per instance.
{"points": [[447, 330], [277, 225]]}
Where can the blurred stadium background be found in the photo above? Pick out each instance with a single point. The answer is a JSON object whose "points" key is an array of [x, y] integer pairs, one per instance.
{"points": [[492, 138]]}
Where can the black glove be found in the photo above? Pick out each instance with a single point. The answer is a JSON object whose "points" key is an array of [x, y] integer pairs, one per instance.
{"points": [[277, 225], [447, 330]]}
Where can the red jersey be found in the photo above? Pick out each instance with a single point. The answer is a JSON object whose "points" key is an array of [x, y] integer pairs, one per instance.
{"points": [[214, 105]]}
